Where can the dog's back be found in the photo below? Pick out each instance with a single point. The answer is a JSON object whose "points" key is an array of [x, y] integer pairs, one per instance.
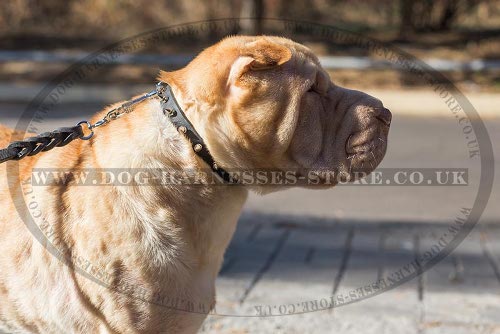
{"points": [[8, 135], [5, 135]]}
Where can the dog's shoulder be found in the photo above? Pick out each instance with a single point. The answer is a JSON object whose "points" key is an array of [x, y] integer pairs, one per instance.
{"points": [[8, 135]]}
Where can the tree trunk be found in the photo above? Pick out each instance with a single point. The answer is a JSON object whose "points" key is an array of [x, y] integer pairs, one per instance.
{"points": [[252, 9]]}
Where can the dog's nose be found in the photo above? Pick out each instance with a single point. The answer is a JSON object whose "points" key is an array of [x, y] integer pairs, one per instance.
{"points": [[384, 115]]}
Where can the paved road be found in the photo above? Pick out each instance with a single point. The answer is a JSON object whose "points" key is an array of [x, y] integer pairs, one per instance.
{"points": [[294, 265], [297, 246]]}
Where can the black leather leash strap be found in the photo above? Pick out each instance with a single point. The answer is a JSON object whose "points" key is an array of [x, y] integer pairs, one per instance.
{"points": [[43, 142], [174, 112]]}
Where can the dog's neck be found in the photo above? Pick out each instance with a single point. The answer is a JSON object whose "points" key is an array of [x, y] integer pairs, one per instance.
{"points": [[205, 216]]}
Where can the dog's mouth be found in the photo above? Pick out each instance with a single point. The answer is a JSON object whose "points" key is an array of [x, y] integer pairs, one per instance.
{"points": [[366, 156], [358, 161], [365, 149]]}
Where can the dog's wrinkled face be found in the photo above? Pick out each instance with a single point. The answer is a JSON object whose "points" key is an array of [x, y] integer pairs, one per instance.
{"points": [[272, 105]]}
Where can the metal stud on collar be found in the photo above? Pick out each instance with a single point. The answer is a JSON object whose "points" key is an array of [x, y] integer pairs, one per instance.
{"points": [[170, 112], [197, 147]]}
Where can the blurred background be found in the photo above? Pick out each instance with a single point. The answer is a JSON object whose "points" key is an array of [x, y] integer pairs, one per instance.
{"points": [[299, 245], [454, 30]]}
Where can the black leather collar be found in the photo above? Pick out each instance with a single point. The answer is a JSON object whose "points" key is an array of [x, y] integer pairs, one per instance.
{"points": [[174, 112]]}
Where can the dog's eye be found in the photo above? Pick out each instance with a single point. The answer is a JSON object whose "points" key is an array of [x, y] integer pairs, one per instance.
{"points": [[311, 89]]}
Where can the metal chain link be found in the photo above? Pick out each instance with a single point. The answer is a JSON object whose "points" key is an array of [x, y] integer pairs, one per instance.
{"points": [[115, 114]]}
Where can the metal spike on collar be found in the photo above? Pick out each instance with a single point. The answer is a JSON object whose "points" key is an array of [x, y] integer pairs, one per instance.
{"points": [[198, 147]]}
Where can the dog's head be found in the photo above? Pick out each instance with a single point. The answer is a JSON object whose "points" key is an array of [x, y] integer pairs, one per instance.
{"points": [[266, 102]]}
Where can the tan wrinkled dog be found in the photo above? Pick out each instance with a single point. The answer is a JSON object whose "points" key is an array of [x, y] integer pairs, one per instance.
{"points": [[258, 102]]}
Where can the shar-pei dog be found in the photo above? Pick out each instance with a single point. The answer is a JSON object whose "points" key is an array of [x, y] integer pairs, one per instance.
{"points": [[242, 106]]}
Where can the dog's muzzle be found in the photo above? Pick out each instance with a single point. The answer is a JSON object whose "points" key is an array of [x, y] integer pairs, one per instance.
{"points": [[366, 147]]}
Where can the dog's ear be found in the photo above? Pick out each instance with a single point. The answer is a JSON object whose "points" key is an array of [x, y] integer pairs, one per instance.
{"points": [[258, 55], [265, 54]]}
